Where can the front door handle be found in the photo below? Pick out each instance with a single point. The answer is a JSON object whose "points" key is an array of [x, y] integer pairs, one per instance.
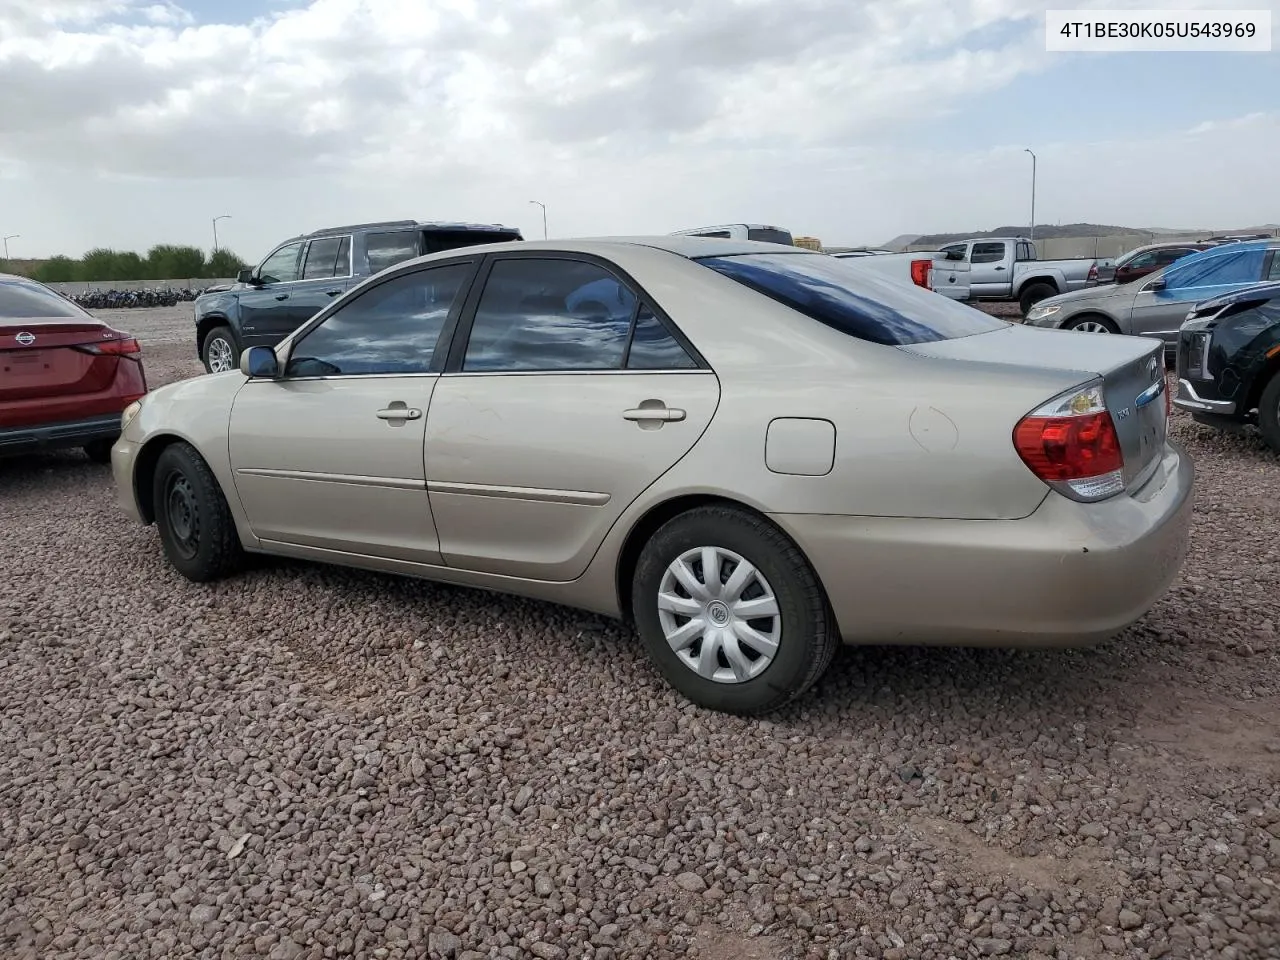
{"points": [[398, 411], [282, 296], [999, 268], [662, 414], [332, 293]]}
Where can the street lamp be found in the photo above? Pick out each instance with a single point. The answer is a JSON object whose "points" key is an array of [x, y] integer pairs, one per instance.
{"points": [[1033, 192], [225, 216], [12, 236], [544, 217]]}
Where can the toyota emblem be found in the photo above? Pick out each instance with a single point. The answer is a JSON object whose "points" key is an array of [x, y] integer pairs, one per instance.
{"points": [[26, 338]]}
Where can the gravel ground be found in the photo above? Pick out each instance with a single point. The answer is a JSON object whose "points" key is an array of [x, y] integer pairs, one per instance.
{"points": [[309, 762]]}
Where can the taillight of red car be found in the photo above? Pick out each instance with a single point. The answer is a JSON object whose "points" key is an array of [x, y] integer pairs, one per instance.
{"points": [[1093, 272], [112, 343], [922, 273], [1071, 444]]}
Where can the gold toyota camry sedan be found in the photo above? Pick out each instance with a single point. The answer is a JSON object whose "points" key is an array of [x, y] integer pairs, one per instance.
{"points": [[751, 452]]}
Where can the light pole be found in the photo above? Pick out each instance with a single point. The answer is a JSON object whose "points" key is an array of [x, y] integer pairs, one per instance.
{"points": [[12, 236], [1033, 193], [544, 217], [225, 216]]}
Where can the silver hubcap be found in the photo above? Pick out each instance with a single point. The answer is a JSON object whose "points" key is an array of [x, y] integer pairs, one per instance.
{"points": [[719, 615], [1092, 326], [219, 355]]}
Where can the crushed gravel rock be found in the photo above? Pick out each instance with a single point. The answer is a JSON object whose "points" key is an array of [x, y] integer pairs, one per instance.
{"points": [[307, 762]]}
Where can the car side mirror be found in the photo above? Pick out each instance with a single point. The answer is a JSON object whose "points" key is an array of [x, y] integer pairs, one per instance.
{"points": [[260, 363], [1155, 286], [245, 275]]}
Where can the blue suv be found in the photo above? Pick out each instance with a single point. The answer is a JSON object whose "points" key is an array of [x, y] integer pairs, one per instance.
{"points": [[296, 279]]}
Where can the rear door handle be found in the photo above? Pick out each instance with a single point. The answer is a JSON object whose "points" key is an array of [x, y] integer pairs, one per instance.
{"points": [[664, 414], [398, 411], [332, 293], [282, 296]]}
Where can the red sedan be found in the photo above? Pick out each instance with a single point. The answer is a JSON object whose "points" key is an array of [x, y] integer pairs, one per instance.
{"points": [[65, 377]]}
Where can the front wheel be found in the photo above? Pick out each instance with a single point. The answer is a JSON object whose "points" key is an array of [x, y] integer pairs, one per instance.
{"points": [[1091, 325], [220, 352], [730, 611], [195, 523], [1034, 294], [1269, 412]]}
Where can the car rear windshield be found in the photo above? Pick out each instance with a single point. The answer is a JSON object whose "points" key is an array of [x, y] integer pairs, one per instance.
{"points": [[23, 301], [834, 292], [769, 235]]}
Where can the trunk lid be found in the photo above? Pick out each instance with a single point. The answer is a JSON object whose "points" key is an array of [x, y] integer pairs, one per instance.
{"points": [[1132, 370], [40, 358]]}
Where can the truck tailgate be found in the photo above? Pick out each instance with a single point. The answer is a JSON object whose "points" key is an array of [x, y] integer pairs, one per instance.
{"points": [[951, 277]]}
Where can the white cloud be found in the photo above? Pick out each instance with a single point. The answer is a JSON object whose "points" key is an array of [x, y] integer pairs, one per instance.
{"points": [[622, 116]]}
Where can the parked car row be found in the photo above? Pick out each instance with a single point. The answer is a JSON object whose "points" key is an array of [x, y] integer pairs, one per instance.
{"points": [[705, 436], [1216, 310]]}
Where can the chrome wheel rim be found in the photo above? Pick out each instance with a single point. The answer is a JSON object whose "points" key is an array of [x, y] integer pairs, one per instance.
{"points": [[219, 355], [719, 615], [1092, 326]]}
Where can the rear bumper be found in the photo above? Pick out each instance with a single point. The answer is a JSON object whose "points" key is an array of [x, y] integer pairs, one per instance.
{"points": [[1070, 574], [59, 435]]}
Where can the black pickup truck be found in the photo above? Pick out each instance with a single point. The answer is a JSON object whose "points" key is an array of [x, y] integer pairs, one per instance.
{"points": [[302, 274]]}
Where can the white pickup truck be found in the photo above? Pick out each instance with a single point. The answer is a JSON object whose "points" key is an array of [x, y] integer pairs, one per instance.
{"points": [[1007, 268], [944, 273]]}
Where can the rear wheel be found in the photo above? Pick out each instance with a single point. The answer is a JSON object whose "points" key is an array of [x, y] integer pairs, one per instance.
{"points": [[99, 451], [1091, 324], [731, 612], [220, 352], [195, 524], [1033, 294], [1269, 412]]}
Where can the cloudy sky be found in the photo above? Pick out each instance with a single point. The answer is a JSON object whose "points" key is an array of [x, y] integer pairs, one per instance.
{"points": [[127, 123]]}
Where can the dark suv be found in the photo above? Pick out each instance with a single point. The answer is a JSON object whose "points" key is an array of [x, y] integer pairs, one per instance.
{"points": [[1229, 361], [296, 279]]}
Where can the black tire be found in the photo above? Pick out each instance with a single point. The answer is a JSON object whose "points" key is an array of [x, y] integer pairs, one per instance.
{"points": [[1033, 294], [1269, 412], [214, 340], [99, 451], [195, 524], [807, 636], [1076, 322]]}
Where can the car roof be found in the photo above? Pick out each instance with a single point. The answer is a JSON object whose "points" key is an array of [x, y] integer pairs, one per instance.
{"points": [[403, 225], [683, 246]]}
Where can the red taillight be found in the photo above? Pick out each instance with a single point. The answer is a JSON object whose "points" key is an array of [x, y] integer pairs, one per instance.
{"points": [[113, 343], [922, 273], [1093, 271], [1072, 445]]}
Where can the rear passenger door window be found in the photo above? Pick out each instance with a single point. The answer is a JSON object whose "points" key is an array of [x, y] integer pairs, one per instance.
{"points": [[559, 315], [385, 250], [392, 328], [326, 258]]}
